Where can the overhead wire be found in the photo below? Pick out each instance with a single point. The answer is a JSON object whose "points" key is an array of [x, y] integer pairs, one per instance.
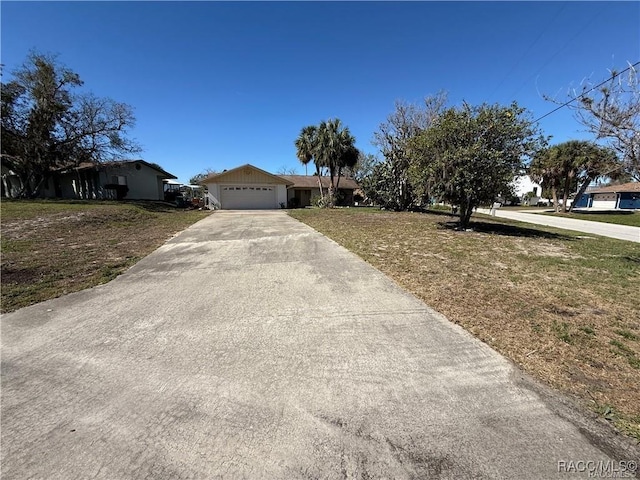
{"points": [[558, 52], [616, 74], [526, 53]]}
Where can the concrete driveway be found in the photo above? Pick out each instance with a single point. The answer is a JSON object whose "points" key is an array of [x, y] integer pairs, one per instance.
{"points": [[621, 232], [251, 346]]}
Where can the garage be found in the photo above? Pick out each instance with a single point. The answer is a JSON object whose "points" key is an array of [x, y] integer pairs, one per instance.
{"points": [[247, 197], [245, 188], [604, 201]]}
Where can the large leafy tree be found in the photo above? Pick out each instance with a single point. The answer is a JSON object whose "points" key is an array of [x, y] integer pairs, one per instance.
{"points": [[363, 167], [330, 146], [393, 138], [198, 177], [470, 154], [381, 187], [571, 166], [611, 112], [45, 125]]}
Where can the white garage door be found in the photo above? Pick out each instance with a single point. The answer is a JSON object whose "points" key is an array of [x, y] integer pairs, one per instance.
{"points": [[604, 200], [247, 197]]}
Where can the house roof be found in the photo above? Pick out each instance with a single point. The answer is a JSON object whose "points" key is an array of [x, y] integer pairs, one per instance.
{"points": [[311, 181], [219, 177], [117, 163], [622, 188]]}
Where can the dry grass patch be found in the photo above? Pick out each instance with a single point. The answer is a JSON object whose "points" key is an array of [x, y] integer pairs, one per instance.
{"points": [[50, 248], [563, 307]]}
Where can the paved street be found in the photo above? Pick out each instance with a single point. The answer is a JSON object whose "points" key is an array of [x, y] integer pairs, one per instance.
{"points": [[251, 346], [621, 232]]}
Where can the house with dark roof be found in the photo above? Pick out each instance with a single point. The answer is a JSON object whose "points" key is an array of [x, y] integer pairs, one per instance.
{"points": [[305, 187], [115, 180], [612, 197], [248, 188]]}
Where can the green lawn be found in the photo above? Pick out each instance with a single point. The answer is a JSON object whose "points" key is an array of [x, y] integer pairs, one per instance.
{"points": [[620, 218], [562, 306]]}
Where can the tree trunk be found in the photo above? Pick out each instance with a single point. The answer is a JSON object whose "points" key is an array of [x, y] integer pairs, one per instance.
{"points": [[27, 181], [554, 194], [583, 188], [319, 172], [332, 188], [565, 194], [466, 209]]}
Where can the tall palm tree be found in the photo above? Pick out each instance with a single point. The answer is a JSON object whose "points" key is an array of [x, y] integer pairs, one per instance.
{"points": [[305, 145], [306, 148], [335, 150]]}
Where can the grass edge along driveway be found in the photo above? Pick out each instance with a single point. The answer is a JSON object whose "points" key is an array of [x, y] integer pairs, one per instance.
{"points": [[559, 304], [54, 247]]}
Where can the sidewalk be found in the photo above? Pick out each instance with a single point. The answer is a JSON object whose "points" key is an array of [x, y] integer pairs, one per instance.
{"points": [[621, 232]]}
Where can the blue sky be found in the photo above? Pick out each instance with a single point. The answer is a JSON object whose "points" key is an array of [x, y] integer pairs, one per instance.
{"points": [[221, 84]]}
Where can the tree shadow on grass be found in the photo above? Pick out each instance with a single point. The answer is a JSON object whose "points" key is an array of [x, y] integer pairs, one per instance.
{"points": [[507, 230], [439, 213], [154, 205]]}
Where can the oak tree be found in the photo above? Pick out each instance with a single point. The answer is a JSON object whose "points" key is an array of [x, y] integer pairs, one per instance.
{"points": [[46, 125]]}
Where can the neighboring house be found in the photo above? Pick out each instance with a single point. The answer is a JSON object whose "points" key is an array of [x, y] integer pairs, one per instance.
{"points": [[612, 197], [522, 186], [305, 188], [124, 179], [11, 184], [248, 187]]}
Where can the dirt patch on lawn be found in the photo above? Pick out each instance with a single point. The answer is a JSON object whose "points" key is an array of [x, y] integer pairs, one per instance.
{"points": [[53, 248], [561, 306]]}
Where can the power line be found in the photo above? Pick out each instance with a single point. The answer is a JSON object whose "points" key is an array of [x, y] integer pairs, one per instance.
{"points": [[588, 91], [526, 53], [558, 52]]}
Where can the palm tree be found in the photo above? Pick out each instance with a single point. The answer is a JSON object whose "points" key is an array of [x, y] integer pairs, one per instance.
{"points": [[545, 169], [305, 145], [306, 148], [330, 145], [335, 150], [572, 165]]}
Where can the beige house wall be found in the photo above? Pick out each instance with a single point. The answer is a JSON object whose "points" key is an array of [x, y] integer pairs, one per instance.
{"points": [[246, 176]]}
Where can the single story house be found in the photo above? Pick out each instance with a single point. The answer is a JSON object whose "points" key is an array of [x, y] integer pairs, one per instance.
{"points": [[305, 188], [11, 184], [612, 197], [125, 179], [117, 180], [248, 188]]}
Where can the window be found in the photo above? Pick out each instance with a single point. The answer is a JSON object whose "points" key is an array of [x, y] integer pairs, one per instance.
{"points": [[119, 179]]}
